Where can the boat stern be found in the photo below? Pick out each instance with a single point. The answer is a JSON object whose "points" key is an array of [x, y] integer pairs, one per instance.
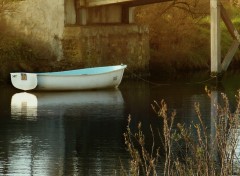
{"points": [[24, 81]]}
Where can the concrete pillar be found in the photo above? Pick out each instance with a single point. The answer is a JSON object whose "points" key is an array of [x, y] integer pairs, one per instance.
{"points": [[128, 14], [83, 16], [215, 37], [131, 15], [81, 12], [70, 12]]}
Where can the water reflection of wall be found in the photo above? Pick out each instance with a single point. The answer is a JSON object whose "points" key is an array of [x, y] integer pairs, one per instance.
{"points": [[58, 133]]}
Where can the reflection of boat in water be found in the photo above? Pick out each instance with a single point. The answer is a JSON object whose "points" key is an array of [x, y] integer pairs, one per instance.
{"points": [[46, 145], [83, 98], [35, 104], [24, 104]]}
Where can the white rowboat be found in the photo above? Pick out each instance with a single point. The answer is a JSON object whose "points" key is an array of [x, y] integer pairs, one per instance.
{"points": [[80, 79]]}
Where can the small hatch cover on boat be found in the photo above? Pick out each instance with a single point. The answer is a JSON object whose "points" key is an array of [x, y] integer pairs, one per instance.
{"points": [[23, 76]]}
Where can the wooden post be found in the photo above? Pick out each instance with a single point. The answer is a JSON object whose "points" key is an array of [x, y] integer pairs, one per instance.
{"points": [[231, 52], [231, 29], [215, 38], [235, 35]]}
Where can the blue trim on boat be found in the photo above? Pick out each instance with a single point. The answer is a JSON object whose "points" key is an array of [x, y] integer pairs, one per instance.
{"points": [[86, 71]]}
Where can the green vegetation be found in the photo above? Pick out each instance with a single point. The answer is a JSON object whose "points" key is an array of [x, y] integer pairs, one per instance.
{"points": [[180, 34], [187, 150]]}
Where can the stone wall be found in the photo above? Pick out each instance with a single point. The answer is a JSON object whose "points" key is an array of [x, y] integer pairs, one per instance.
{"points": [[105, 14], [107, 45], [54, 23]]}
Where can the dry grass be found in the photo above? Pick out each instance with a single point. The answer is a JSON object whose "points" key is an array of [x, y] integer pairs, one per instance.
{"points": [[200, 152]]}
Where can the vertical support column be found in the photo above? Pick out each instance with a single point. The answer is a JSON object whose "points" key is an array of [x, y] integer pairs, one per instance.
{"points": [[81, 12], [83, 16], [70, 12], [131, 15], [215, 38], [128, 14]]}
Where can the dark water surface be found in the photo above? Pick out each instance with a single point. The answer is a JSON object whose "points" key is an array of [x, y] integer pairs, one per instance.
{"points": [[81, 133]]}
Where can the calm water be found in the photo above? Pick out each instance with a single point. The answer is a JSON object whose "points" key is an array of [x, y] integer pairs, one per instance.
{"points": [[81, 133]]}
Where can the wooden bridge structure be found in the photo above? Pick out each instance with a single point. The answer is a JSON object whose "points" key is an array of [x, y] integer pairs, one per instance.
{"points": [[113, 10], [217, 12], [92, 3], [88, 12]]}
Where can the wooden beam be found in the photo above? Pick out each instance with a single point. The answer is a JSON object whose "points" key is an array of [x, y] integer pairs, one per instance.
{"points": [[232, 30], [92, 3], [231, 52], [235, 35], [143, 2], [215, 37], [128, 3]]}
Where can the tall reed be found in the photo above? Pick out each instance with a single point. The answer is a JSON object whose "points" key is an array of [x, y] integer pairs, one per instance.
{"points": [[187, 150]]}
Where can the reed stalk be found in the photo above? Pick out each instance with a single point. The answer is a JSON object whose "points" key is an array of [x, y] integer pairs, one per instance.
{"points": [[200, 152]]}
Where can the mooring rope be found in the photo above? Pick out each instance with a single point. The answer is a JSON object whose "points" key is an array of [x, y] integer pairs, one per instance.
{"points": [[147, 81], [167, 84], [204, 81]]}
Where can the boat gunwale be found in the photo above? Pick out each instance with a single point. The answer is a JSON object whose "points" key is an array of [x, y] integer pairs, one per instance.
{"points": [[58, 73], [73, 75]]}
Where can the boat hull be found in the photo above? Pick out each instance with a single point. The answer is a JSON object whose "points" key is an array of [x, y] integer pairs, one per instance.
{"points": [[85, 79], [80, 82]]}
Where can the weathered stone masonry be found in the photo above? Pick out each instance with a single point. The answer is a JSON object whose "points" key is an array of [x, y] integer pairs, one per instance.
{"points": [[104, 45], [93, 36]]}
